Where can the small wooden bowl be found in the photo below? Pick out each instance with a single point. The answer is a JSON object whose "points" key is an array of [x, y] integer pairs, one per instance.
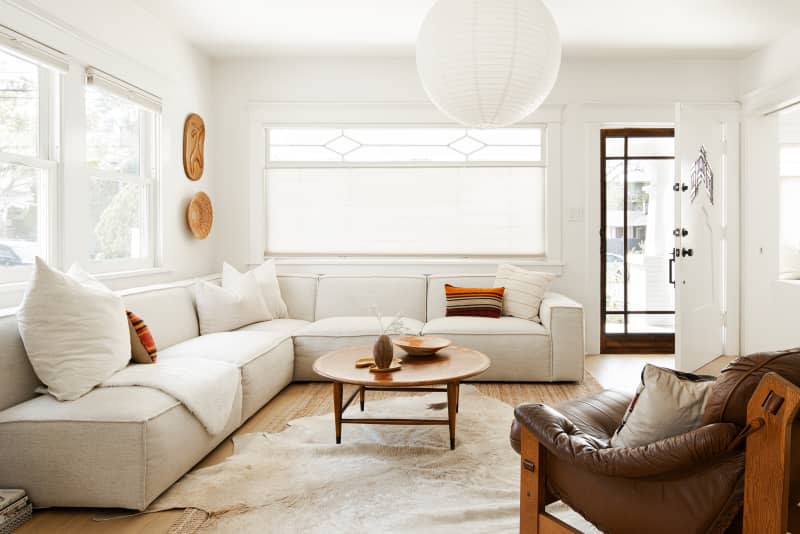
{"points": [[421, 345], [200, 215]]}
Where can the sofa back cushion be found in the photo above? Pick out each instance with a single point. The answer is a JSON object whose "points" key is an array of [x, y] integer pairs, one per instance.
{"points": [[168, 310], [355, 295], [17, 379], [299, 292], [437, 303]]}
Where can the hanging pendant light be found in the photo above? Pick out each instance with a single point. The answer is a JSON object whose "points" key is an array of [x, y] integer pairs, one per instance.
{"points": [[488, 63]]}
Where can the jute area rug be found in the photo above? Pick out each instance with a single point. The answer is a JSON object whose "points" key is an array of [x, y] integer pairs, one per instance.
{"points": [[380, 479]]}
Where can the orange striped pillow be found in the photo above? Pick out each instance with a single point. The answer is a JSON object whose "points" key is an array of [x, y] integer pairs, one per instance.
{"points": [[143, 346], [474, 301]]}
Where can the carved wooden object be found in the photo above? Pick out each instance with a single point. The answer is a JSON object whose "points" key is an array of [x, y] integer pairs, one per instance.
{"points": [[194, 137], [200, 215]]}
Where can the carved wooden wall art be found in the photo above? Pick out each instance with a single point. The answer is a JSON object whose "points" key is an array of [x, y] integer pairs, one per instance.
{"points": [[194, 137]]}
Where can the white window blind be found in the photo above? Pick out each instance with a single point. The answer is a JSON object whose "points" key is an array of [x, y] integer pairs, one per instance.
{"points": [[31, 50], [405, 191], [106, 82]]}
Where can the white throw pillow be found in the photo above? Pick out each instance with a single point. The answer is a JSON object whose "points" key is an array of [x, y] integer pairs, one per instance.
{"points": [[224, 309], [524, 290], [267, 282], [74, 329], [667, 403]]}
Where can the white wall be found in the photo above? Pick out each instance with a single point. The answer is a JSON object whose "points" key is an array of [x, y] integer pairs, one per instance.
{"points": [[770, 80], [126, 41], [588, 96]]}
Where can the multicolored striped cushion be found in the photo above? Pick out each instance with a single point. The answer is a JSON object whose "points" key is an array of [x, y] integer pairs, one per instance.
{"points": [[474, 301], [143, 346]]}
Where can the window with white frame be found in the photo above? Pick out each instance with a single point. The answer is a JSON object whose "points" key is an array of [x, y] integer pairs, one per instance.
{"points": [[405, 191], [789, 251], [122, 171], [28, 162]]}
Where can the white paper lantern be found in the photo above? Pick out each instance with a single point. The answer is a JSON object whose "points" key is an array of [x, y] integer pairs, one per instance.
{"points": [[488, 63]]}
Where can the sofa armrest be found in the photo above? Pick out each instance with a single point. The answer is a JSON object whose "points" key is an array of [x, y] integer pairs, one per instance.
{"points": [[562, 317], [563, 439]]}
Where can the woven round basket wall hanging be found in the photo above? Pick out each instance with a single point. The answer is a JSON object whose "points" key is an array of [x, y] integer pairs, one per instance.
{"points": [[194, 138], [200, 215]]}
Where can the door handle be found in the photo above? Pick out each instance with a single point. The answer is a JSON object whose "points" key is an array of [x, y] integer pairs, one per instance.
{"points": [[680, 232], [672, 269], [687, 252], [677, 186]]}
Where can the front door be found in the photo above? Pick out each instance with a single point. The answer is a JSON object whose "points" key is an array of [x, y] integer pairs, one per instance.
{"points": [[637, 292], [706, 242]]}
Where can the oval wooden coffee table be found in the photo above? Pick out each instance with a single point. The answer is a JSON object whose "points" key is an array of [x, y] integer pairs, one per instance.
{"points": [[448, 367]]}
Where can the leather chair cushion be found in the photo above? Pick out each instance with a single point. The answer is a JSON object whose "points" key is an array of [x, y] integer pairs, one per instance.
{"points": [[598, 415], [737, 382]]}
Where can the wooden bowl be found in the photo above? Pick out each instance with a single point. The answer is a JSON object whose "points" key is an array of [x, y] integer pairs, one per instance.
{"points": [[200, 215], [421, 345]]}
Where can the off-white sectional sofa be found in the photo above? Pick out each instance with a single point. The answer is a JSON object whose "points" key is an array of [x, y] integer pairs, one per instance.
{"points": [[123, 446]]}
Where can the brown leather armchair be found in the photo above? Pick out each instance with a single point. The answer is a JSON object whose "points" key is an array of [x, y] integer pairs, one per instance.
{"points": [[693, 482]]}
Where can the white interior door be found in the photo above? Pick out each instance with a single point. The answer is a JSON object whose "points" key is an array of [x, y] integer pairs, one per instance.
{"points": [[706, 241]]}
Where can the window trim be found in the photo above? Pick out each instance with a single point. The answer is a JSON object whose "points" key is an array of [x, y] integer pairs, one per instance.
{"points": [[263, 115]]}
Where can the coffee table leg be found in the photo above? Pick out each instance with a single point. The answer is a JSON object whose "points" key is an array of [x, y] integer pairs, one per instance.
{"points": [[338, 388], [458, 395], [452, 403], [361, 395]]}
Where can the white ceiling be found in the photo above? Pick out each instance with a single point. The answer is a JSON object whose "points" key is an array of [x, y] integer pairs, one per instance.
{"points": [[589, 28]]}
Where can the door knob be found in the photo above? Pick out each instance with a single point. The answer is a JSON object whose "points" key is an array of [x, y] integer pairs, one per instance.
{"points": [[687, 252], [680, 232], [677, 186]]}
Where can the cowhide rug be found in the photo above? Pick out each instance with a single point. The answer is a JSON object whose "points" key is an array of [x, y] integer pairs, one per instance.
{"points": [[399, 479]]}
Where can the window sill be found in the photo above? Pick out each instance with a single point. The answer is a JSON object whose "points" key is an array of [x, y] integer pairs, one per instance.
{"points": [[20, 287], [117, 275], [422, 260]]}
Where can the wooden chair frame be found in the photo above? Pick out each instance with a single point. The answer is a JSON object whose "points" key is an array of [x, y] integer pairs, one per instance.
{"points": [[770, 412]]}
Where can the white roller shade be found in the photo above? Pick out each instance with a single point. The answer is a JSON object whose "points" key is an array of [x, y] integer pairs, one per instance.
{"points": [[32, 50], [455, 211], [105, 81]]}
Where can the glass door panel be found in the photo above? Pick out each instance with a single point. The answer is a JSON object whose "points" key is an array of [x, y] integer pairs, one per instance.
{"points": [[638, 298]]}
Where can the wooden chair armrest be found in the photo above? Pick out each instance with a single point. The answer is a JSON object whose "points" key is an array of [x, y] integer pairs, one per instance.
{"points": [[773, 406]]}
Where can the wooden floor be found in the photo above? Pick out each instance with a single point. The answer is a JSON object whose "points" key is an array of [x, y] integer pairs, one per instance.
{"points": [[300, 400]]}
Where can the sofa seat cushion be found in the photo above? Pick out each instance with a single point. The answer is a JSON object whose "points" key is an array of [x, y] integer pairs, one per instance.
{"points": [[62, 452], [118, 404], [276, 326], [519, 349], [265, 359], [325, 335]]}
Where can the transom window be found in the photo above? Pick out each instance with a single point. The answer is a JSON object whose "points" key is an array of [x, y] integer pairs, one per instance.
{"points": [[405, 191], [404, 145]]}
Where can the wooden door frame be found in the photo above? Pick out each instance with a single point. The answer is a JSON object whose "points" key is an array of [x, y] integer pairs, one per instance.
{"points": [[626, 343]]}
